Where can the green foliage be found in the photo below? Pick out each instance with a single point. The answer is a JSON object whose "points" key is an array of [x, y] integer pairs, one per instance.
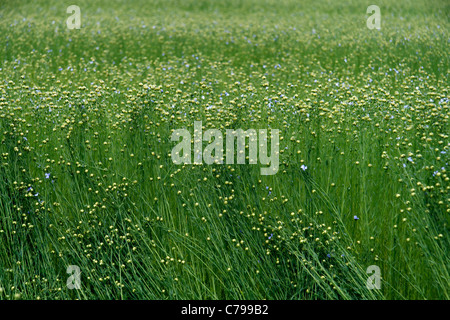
{"points": [[86, 176]]}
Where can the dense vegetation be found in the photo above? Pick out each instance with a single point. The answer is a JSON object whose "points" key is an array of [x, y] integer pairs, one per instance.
{"points": [[86, 176]]}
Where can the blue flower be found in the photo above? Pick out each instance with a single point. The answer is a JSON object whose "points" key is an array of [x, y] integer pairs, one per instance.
{"points": [[355, 217], [47, 175]]}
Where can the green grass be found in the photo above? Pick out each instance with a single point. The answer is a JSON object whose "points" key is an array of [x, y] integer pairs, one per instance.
{"points": [[365, 110]]}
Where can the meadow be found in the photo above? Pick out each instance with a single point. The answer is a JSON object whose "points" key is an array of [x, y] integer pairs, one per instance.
{"points": [[87, 178]]}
